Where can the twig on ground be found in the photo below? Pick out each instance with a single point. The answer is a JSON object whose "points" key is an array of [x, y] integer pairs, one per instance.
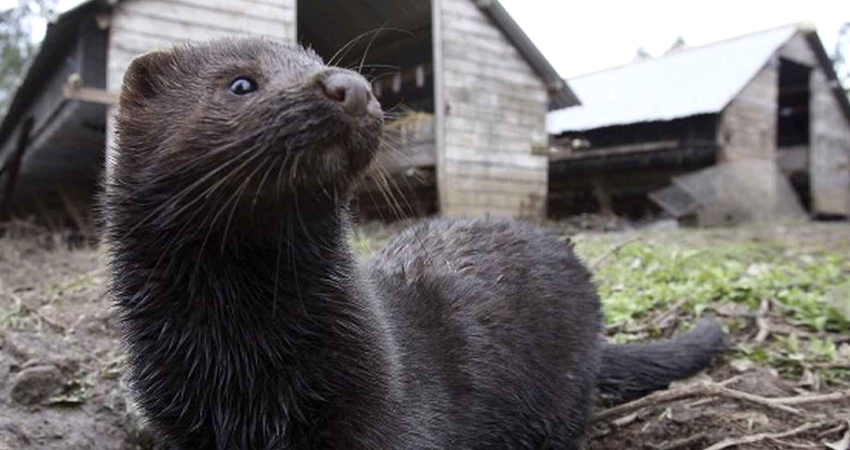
{"points": [[724, 383], [680, 443], [831, 366], [808, 399], [706, 389], [731, 380], [837, 429], [626, 420], [609, 253], [787, 444], [753, 438], [664, 317]]}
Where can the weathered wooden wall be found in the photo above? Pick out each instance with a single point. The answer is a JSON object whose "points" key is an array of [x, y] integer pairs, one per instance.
{"points": [[65, 145], [747, 127], [140, 26], [829, 137], [827, 156], [493, 109]]}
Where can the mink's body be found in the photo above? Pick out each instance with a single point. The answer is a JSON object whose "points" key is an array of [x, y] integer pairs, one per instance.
{"points": [[250, 324]]}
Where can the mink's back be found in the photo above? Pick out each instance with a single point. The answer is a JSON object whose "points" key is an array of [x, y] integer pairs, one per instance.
{"points": [[498, 329]]}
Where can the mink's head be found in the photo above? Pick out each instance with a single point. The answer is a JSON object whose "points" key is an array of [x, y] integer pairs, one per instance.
{"points": [[234, 126]]}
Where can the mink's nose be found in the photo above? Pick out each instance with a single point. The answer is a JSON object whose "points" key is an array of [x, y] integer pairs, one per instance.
{"points": [[350, 90]]}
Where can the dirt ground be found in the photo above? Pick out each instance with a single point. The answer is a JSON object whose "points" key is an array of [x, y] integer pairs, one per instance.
{"points": [[62, 377]]}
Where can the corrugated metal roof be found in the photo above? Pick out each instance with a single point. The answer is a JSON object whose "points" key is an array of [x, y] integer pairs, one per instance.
{"points": [[701, 80]]}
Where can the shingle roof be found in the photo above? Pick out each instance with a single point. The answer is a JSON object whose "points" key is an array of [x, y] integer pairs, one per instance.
{"points": [[701, 80]]}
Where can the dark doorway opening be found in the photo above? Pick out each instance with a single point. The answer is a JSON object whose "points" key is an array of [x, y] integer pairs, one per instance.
{"points": [[390, 39], [390, 42], [793, 126], [793, 107]]}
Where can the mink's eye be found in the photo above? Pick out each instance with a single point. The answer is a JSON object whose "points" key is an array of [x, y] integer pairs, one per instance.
{"points": [[243, 85]]}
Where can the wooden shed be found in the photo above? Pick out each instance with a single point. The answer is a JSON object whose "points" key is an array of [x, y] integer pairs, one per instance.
{"points": [[478, 91], [767, 96]]}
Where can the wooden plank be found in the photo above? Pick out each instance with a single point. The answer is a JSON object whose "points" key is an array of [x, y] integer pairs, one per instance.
{"points": [[481, 56], [268, 2], [829, 168], [461, 66], [495, 172], [501, 48], [180, 28], [526, 92], [535, 134], [272, 22], [517, 201], [132, 40], [437, 15], [497, 186], [476, 29], [559, 153], [74, 91], [462, 8], [488, 143], [515, 160], [277, 10], [504, 115]]}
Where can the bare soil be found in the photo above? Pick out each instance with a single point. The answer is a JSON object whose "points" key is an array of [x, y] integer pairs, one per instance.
{"points": [[62, 367]]}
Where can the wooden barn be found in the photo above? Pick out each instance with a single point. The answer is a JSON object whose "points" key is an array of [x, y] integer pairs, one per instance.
{"points": [[769, 96], [477, 91]]}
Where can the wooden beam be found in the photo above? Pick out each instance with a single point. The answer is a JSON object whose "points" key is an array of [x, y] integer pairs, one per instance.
{"points": [[13, 165], [558, 153], [440, 104], [74, 90]]}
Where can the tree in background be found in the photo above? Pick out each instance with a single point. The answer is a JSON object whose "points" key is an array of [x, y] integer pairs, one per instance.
{"points": [[16, 42], [840, 56]]}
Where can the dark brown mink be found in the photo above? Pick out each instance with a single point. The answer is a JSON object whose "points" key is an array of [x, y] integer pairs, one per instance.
{"points": [[250, 324]]}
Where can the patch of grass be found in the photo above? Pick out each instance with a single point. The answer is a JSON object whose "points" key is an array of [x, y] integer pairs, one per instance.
{"points": [[644, 276]]}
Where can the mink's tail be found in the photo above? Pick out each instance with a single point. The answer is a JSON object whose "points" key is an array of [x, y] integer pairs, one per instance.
{"points": [[631, 371]]}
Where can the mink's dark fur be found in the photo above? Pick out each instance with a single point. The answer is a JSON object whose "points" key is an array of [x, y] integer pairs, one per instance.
{"points": [[250, 324]]}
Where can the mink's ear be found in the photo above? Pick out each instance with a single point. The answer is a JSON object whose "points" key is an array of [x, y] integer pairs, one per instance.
{"points": [[143, 79]]}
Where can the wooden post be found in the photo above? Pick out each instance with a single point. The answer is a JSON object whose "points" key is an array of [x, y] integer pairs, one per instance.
{"points": [[603, 196], [440, 107], [13, 165]]}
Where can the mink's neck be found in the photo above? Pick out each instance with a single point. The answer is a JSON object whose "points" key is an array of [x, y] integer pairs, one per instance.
{"points": [[255, 338]]}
